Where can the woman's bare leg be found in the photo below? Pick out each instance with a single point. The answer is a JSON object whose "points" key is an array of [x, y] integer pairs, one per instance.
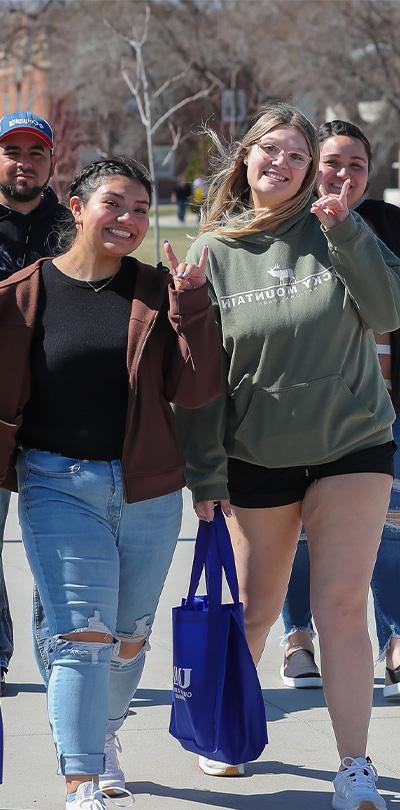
{"points": [[393, 653], [264, 543], [344, 516], [300, 640]]}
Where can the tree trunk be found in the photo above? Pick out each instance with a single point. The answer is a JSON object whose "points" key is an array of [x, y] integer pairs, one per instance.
{"points": [[156, 226]]}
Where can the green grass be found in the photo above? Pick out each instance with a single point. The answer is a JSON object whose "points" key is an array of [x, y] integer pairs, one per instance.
{"points": [[176, 236], [166, 210]]}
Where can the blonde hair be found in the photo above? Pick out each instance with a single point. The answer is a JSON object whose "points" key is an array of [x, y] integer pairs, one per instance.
{"points": [[227, 209]]}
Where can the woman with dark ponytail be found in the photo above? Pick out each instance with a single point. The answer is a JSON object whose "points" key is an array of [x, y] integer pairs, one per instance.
{"points": [[95, 346]]}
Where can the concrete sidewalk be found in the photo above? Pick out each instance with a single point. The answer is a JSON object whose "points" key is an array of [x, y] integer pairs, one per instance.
{"points": [[294, 772]]}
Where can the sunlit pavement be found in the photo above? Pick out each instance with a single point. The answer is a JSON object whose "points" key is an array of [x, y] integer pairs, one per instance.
{"points": [[294, 772]]}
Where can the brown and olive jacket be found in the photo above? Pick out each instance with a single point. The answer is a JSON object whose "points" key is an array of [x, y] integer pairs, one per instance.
{"points": [[174, 355]]}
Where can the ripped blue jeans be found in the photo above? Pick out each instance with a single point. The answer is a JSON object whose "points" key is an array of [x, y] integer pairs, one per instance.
{"points": [[99, 565]]}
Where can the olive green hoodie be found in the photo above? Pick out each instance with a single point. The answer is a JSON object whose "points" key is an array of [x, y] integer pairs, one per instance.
{"points": [[297, 309]]}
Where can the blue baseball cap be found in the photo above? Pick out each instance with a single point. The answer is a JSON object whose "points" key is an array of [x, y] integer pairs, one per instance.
{"points": [[25, 121]]}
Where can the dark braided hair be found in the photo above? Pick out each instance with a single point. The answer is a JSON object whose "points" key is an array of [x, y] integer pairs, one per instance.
{"points": [[91, 176], [338, 127], [90, 179]]}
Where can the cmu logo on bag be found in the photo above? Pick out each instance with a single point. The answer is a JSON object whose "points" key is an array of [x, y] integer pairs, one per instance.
{"points": [[182, 683]]}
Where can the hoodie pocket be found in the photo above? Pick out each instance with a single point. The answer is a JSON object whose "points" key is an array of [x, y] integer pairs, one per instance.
{"points": [[302, 424]]}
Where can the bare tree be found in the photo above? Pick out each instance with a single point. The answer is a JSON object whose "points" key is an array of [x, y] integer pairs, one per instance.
{"points": [[138, 79], [67, 132], [341, 54]]}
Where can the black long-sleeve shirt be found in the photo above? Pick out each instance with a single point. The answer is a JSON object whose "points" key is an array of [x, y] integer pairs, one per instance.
{"points": [[24, 238]]}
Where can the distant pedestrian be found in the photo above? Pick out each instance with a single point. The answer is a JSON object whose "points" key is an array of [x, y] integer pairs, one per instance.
{"points": [[199, 193], [30, 221], [181, 196], [94, 346]]}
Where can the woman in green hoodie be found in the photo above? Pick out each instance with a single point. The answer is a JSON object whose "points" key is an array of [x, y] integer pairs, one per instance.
{"points": [[303, 432]]}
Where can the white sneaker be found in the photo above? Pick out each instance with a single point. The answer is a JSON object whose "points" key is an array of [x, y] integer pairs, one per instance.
{"points": [[355, 786], [89, 797], [113, 779], [213, 768]]}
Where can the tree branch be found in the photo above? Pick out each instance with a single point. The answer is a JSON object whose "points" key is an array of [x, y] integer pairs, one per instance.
{"points": [[136, 95], [170, 81], [179, 105], [176, 138]]}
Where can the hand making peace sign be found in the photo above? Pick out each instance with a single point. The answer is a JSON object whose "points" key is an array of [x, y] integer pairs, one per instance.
{"points": [[331, 208], [187, 276]]}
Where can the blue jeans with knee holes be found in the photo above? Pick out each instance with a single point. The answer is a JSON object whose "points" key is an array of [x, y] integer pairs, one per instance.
{"points": [[99, 565]]}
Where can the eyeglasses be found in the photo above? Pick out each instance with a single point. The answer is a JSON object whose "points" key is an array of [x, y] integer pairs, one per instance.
{"points": [[297, 160]]}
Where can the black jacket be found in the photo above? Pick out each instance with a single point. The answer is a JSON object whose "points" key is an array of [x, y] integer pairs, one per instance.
{"points": [[24, 238], [384, 219]]}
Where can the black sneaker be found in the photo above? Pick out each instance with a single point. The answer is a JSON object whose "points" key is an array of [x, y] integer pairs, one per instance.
{"points": [[300, 671], [392, 689], [3, 685]]}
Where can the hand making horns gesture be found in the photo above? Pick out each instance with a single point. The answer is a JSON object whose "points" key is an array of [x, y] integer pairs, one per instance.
{"points": [[187, 275], [331, 208]]}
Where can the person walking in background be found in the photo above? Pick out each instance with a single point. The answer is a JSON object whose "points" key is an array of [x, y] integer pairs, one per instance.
{"points": [[303, 434], [86, 424], [30, 220], [181, 196], [200, 188], [346, 155]]}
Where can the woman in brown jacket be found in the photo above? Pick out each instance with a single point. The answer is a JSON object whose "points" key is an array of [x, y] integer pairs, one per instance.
{"points": [[95, 347]]}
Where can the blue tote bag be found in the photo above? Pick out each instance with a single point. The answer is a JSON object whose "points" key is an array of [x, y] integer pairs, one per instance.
{"points": [[217, 705], [1, 749]]}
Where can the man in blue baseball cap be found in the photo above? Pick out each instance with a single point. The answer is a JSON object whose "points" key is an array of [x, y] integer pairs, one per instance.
{"points": [[26, 164], [28, 122], [31, 218]]}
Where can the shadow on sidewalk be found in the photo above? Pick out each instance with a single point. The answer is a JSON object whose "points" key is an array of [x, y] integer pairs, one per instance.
{"points": [[282, 800], [282, 702], [279, 702], [14, 689], [379, 700], [281, 768], [285, 800], [151, 697]]}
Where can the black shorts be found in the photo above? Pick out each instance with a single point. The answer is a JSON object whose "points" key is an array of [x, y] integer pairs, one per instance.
{"points": [[254, 487]]}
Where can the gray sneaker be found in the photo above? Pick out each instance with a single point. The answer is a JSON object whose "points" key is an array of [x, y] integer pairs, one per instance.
{"points": [[299, 671]]}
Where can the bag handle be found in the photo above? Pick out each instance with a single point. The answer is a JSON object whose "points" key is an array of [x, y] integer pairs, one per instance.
{"points": [[226, 554], [213, 551]]}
